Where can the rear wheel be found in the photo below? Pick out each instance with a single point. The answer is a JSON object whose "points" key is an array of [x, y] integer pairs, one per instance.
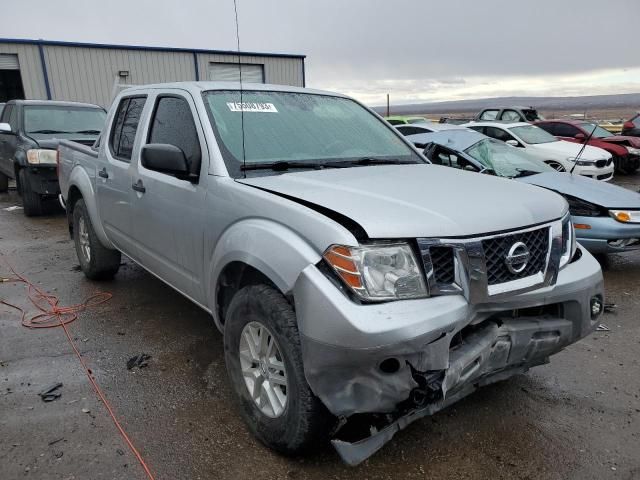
{"points": [[31, 201], [97, 261], [4, 183], [556, 166], [264, 363]]}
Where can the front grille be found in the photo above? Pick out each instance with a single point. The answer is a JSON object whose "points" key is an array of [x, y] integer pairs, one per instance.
{"points": [[443, 264], [496, 250], [601, 163], [610, 161]]}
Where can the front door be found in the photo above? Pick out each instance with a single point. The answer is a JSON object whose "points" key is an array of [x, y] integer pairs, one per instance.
{"points": [[8, 141], [114, 174], [169, 215]]}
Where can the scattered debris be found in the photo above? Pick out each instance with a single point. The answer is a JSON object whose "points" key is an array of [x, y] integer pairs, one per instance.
{"points": [[140, 361], [50, 394], [120, 451], [76, 268], [56, 441], [85, 410], [603, 328], [12, 208], [609, 307]]}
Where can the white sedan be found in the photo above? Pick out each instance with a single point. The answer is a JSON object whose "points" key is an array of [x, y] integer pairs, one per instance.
{"points": [[594, 162]]}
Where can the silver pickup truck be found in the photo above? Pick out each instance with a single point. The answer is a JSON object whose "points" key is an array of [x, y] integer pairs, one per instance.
{"points": [[357, 286]]}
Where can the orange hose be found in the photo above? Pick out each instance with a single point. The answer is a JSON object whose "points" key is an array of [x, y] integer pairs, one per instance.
{"points": [[53, 315]]}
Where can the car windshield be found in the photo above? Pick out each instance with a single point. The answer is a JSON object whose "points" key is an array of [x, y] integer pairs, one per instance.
{"points": [[56, 120], [599, 132], [533, 135], [505, 160], [300, 130]]}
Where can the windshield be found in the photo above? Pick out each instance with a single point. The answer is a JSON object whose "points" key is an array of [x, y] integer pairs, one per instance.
{"points": [[56, 120], [532, 135], [303, 128], [505, 160], [599, 132]]}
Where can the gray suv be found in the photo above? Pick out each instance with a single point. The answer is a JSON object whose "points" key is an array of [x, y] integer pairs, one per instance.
{"points": [[357, 286]]}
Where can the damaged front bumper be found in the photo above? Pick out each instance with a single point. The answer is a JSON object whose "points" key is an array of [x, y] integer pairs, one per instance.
{"points": [[395, 362]]}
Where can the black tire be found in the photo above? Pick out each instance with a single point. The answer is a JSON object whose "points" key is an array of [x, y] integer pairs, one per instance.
{"points": [[4, 183], [556, 165], [31, 201], [305, 421], [102, 263]]}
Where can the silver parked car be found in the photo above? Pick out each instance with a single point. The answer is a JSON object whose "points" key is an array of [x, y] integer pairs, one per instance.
{"points": [[351, 287], [606, 217]]}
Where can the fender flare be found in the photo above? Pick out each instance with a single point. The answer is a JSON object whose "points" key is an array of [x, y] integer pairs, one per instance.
{"points": [[79, 179], [275, 250]]}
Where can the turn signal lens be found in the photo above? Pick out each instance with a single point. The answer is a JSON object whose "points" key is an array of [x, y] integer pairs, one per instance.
{"points": [[626, 216], [340, 259], [581, 226]]}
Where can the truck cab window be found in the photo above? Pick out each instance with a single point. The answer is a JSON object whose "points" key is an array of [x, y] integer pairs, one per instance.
{"points": [[125, 126], [173, 124]]}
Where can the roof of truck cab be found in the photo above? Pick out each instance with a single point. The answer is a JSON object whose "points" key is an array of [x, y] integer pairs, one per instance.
{"points": [[55, 103], [197, 87]]}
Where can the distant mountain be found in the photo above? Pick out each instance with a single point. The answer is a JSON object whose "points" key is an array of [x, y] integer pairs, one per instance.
{"points": [[593, 102]]}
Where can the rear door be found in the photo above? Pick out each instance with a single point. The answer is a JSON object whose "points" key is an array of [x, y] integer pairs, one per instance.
{"points": [[168, 215], [114, 173]]}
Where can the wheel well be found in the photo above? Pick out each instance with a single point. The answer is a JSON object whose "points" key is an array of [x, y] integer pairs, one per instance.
{"points": [[72, 198], [235, 276]]}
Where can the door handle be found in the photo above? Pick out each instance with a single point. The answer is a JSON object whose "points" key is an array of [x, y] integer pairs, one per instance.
{"points": [[139, 187], [103, 173]]}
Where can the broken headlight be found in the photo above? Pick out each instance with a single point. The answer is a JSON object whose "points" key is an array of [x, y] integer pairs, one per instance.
{"points": [[582, 208], [568, 241], [378, 272]]}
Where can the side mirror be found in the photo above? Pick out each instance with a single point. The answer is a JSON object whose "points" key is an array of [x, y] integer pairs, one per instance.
{"points": [[5, 128], [164, 158], [513, 143], [579, 136]]}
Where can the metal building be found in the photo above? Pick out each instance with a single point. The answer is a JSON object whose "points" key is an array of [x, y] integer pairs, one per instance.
{"points": [[86, 72]]}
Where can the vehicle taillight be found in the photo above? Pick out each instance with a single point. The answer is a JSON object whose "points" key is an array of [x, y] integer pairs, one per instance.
{"points": [[628, 125]]}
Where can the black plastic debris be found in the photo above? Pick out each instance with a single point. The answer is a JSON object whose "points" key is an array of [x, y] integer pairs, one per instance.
{"points": [[50, 394], [140, 361], [603, 328], [609, 307]]}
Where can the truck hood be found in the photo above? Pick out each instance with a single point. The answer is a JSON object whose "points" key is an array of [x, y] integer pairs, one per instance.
{"points": [[594, 191], [623, 139], [408, 201], [52, 143], [570, 149]]}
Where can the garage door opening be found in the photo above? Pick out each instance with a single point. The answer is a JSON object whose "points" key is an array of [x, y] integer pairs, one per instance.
{"points": [[230, 72], [10, 79]]}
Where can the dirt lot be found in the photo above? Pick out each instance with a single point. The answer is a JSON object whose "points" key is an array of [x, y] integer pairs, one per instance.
{"points": [[577, 418]]}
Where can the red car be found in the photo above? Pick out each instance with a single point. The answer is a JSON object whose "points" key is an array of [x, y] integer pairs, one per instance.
{"points": [[624, 149]]}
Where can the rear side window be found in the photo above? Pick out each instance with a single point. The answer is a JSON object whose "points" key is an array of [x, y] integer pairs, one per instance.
{"points": [[6, 113], [549, 127], [408, 130], [510, 116], [566, 130], [173, 124], [498, 134], [125, 126], [489, 115]]}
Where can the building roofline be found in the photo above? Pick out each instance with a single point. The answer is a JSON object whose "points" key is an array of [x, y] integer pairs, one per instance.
{"points": [[58, 43]]}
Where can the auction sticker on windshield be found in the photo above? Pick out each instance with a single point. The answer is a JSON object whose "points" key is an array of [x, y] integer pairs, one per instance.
{"points": [[252, 107]]}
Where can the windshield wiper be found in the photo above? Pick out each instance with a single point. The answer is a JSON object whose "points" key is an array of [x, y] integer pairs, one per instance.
{"points": [[88, 132], [45, 131], [522, 172], [285, 165], [364, 161]]}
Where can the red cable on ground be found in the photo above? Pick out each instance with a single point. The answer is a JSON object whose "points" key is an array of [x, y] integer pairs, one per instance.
{"points": [[53, 315]]}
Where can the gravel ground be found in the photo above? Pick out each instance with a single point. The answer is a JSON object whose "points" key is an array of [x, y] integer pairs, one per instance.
{"points": [[576, 418]]}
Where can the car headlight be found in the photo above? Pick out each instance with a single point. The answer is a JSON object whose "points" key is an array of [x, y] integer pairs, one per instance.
{"points": [[582, 163], [378, 272], [568, 242], [582, 208], [626, 216], [633, 151], [39, 156]]}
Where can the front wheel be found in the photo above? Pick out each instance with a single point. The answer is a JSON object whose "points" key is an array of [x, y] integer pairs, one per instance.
{"points": [[556, 166], [31, 201], [264, 363], [96, 261]]}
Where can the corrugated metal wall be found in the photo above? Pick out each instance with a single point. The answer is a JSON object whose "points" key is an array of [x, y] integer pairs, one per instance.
{"points": [[30, 68], [87, 74]]}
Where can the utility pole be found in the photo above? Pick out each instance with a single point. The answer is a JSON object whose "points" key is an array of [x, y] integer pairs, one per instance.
{"points": [[388, 105]]}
